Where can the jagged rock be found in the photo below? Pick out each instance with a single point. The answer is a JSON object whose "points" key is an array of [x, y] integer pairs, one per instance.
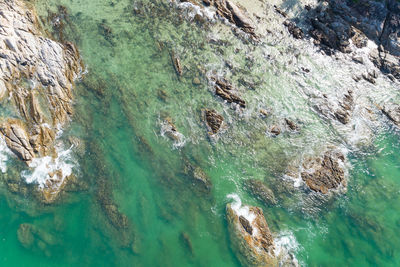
{"points": [[332, 108], [258, 189], [223, 89], [337, 21], [386, 62], [250, 235], [170, 129], [324, 173], [342, 114], [228, 10], [213, 120], [280, 11], [264, 113], [17, 139], [294, 30], [392, 111]]}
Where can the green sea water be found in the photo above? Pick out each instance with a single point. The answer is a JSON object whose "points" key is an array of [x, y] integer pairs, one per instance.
{"points": [[129, 87]]}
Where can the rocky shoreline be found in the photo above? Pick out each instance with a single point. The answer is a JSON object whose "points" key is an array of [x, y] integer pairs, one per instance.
{"points": [[37, 80]]}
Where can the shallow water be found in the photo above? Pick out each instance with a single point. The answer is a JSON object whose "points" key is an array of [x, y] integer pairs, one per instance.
{"points": [[131, 86]]}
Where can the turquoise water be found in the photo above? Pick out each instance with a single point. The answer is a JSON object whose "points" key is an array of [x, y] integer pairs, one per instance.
{"points": [[121, 102]]}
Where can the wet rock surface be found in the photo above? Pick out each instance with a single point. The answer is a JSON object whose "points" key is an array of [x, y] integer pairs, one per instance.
{"points": [[294, 30], [324, 173], [38, 74]]}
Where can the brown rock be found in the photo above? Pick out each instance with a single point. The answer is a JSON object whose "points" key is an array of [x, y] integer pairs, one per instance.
{"points": [[251, 240], [223, 89], [275, 130], [177, 64], [326, 173], [213, 120]]}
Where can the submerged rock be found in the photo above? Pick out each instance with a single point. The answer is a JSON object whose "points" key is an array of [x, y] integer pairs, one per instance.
{"points": [[177, 64], [37, 239], [197, 176], [258, 189], [324, 173]]}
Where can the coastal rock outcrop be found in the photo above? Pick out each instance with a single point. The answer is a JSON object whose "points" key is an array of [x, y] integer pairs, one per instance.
{"points": [[335, 24], [322, 174], [250, 235], [37, 74]]}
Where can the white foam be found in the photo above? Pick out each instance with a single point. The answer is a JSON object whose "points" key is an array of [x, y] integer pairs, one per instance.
{"points": [[41, 167], [285, 247], [239, 209], [4, 154], [193, 10], [179, 138]]}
